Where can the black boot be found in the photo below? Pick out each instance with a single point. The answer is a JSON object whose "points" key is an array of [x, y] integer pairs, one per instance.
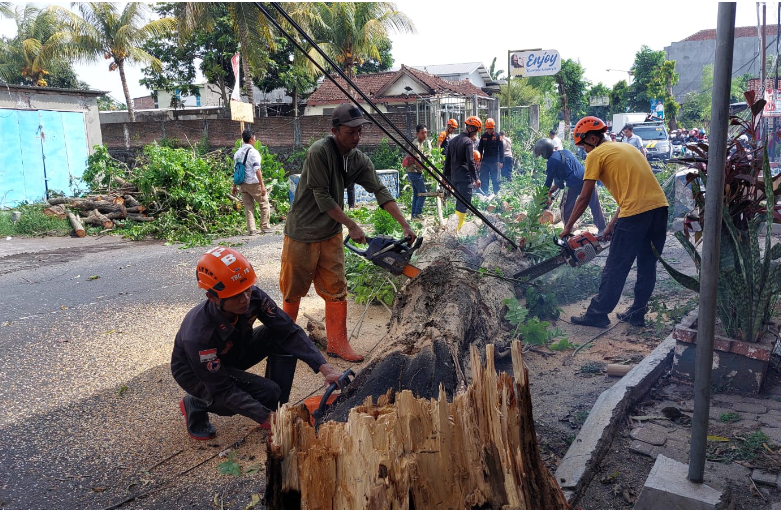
{"points": [[587, 319], [281, 368], [634, 316], [196, 418]]}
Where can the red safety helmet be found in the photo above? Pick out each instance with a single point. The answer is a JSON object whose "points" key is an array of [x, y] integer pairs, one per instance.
{"points": [[452, 123], [586, 125], [225, 272], [474, 121], [490, 124]]}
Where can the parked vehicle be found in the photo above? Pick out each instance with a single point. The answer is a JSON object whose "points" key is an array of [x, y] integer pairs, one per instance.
{"points": [[655, 140]]}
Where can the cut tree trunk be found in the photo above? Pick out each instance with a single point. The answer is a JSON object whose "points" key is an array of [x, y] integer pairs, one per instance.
{"points": [[58, 211], [130, 201], [437, 316], [139, 217], [550, 216], [102, 206], [478, 450], [96, 218], [76, 224]]}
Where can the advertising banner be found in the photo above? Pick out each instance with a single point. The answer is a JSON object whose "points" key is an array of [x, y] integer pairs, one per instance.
{"points": [[236, 94], [657, 108], [534, 63]]}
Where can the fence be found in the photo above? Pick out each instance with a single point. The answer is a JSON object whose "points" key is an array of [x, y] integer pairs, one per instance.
{"points": [[517, 118], [435, 112]]}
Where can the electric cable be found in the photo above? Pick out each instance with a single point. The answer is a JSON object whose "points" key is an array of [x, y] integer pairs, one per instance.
{"points": [[408, 147]]}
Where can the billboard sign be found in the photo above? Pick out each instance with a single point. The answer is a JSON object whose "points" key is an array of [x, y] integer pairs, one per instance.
{"points": [[599, 101], [657, 108], [534, 63], [242, 112]]}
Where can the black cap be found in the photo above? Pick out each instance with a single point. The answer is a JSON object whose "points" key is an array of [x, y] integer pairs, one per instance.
{"points": [[347, 114]]}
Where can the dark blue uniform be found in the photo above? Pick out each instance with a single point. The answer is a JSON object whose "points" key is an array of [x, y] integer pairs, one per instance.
{"points": [[491, 149], [211, 356], [460, 167]]}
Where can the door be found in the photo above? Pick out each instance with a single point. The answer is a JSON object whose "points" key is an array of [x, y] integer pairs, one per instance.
{"points": [[41, 152]]}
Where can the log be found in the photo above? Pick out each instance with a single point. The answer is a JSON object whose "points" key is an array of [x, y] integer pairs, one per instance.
{"points": [[550, 217], [58, 211], [477, 451], [120, 215], [125, 184], [96, 218], [139, 217], [118, 200], [76, 224], [59, 200], [136, 209], [130, 201], [102, 206], [618, 370]]}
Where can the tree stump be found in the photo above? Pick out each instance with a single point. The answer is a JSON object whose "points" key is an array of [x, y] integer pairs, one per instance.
{"points": [[478, 451]]}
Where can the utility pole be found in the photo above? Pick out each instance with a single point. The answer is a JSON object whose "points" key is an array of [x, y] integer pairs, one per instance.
{"points": [[764, 66], [709, 279]]}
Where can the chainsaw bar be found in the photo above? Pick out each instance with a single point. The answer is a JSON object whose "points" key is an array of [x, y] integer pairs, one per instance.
{"points": [[546, 266]]}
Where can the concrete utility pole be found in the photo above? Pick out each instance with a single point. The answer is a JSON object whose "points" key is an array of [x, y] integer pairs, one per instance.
{"points": [[709, 276]]}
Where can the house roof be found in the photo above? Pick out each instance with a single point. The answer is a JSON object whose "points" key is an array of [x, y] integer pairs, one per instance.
{"points": [[710, 34], [55, 90], [375, 84]]}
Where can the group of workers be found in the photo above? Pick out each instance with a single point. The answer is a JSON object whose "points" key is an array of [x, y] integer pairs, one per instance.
{"points": [[218, 342]]}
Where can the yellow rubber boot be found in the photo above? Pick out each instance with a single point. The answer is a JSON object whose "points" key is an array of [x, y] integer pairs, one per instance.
{"points": [[461, 219]]}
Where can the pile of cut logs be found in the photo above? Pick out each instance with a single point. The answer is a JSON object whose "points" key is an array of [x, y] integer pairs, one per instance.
{"points": [[99, 210]]}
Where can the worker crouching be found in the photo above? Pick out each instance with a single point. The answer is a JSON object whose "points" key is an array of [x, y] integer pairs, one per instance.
{"points": [[217, 342]]}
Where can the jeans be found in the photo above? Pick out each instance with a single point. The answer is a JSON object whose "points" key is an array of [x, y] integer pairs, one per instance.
{"points": [[507, 168], [632, 239], [596, 209], [489, 171], [418, 186]]}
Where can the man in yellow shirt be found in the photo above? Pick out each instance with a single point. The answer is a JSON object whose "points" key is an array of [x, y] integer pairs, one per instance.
{"points": [[639, 223]]}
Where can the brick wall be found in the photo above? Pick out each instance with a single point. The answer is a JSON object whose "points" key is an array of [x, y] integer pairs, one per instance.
{"points": [[278, 133], [144, 103]]}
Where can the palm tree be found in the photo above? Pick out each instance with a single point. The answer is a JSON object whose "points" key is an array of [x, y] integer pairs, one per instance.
{"points": [[103, 32], [350, 32], [38, 48]]}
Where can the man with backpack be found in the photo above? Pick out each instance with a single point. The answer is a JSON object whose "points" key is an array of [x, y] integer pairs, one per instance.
{"points": [[246, 161]]}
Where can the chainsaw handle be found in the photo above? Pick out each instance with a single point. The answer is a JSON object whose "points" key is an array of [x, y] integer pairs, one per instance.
{"points": [[354, 249], [342, 383]]}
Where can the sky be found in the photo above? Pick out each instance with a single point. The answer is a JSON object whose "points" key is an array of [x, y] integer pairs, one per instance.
{"points": [[455, 31]]}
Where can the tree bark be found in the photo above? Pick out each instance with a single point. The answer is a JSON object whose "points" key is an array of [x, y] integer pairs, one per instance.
{"points": [[57, 211], [104, 207], [476, 450], [130, 109], [96, 218], [76, 224]]}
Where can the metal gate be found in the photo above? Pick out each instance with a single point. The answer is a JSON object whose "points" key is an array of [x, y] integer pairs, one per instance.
{"points": [[41, 152]]}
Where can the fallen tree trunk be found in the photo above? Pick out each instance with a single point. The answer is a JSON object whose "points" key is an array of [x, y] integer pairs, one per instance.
{"points": [[437, 316], [78, 228], [140, 217], [102, 206], [478, 451], [96, 218]]}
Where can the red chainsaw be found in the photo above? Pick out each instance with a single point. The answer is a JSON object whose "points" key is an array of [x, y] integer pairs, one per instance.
{"points": [[576, 250]]}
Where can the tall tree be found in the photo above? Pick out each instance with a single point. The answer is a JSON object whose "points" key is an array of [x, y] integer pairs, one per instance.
{"points": [[619, 98], [495, 74], [661, 87], [103, 32], [352, 32], [286, 69], [572, 90], [384, 63], [599, 90], [37, 55]]}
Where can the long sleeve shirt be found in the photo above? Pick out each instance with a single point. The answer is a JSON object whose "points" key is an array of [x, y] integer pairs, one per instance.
{"points": [[491, 148], [207, 343], [460, 160]]}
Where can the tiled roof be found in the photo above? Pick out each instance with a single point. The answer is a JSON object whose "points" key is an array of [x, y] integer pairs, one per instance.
{"points": [[371, 84], [710, 34]]}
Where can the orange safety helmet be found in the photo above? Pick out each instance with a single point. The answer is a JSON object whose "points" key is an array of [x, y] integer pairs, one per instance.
{"points": [[477, 156], [452, 123], [490, 124], [225, 272], [474, 121], [585, 125]]}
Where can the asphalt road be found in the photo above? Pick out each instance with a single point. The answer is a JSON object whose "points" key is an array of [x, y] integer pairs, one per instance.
{"points": [[89, 405]]}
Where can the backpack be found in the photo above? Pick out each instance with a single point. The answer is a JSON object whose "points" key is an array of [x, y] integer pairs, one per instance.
{"points": [[238, 170]]}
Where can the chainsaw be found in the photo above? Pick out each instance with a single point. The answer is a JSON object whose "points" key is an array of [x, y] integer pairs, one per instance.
{"points": [[575, 251], [317, 405], [390, 254]]}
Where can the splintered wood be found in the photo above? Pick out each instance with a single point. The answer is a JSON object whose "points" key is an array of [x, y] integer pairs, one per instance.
{"points": [[478, 451]]}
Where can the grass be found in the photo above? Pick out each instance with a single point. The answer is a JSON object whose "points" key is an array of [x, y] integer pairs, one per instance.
{"points": [[33, 223], [729, 417], [743, 448]]}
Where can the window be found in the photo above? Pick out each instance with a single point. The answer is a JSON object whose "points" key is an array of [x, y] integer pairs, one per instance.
{"points": [[198, 99]]}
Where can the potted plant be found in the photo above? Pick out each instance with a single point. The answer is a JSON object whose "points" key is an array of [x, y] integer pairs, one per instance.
{"points": [[749, 276]]}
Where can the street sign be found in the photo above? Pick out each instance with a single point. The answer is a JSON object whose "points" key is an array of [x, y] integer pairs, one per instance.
{"points": [[242, 112], [534, 63]]}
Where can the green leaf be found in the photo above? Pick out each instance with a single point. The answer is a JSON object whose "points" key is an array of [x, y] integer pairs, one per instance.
{"points": [[230, 466], [687, 281]]}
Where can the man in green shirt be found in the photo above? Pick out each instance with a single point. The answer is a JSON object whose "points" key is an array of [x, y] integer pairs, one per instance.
{"points": [[312, 251]]}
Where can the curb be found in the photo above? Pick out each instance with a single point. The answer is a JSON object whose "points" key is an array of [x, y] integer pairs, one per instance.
{"points": [[577, 468]]}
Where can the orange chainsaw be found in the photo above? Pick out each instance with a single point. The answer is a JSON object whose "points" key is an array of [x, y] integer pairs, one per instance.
{"points": [[575, 250], [391, 254]]}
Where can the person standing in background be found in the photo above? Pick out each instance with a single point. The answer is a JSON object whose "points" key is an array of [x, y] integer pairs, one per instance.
{"points": [[553, 135], [252, 189], [507, 166]]}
